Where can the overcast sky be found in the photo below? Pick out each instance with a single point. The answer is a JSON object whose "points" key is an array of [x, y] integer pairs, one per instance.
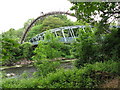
{"points": [[13, 13]]}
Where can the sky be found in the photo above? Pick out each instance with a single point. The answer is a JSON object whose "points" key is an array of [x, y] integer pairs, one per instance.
{"points": [[14, 13]]}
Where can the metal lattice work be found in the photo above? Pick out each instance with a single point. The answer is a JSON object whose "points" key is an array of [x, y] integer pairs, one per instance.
{"points": [[40, 17], [68, 34], [48, 14]]}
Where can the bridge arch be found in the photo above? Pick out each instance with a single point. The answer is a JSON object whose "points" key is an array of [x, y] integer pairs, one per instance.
{"points": [[41, 16]]}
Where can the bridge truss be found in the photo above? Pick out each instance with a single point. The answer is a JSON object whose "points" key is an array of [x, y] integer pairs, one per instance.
{"points": [[68, 34]]}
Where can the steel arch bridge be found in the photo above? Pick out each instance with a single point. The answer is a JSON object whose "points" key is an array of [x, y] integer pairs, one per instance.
{"points": [[69, 29], [68, 34], [40, 17]]}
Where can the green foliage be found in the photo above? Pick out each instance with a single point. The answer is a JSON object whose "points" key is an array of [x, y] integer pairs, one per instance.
{"points": [[27, 23], [67, 22], [90, 11], [86, 47], [34, 31], [91, 48], [10, 51], [84, 10], [19, 33], [11, 33], [66, 50], [52, 22], [45, 67], [26, 50], [111, 44], [47, 23], [20, 83], [2, 75], [89, 76], [108, 66], [48, 49]]}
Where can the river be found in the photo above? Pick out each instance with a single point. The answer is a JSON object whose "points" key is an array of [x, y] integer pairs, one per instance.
{"points": [[30, 69]]}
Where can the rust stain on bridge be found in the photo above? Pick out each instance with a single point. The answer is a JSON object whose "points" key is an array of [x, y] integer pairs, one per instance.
{"points": [[44, 15]]}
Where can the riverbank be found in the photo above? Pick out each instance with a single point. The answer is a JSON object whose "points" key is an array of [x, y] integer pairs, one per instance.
{"points": [[89, 76], [28, 63], [17, 70]]}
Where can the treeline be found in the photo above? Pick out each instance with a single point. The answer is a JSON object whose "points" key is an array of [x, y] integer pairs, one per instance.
{"points": [[12, 51]]}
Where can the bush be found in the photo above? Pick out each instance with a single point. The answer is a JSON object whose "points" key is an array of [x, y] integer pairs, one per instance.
{"points": [[66, 50], [46, 50], [20, 83], [10, 51], [86, 48], [49, 48], [44, 67], [108, 66], [26, 50], [91, 48], [89, 76], [67, 79], [111, 45]]}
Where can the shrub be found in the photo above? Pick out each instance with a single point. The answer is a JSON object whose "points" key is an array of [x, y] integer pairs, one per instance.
{"points": [[26, 50], [49, 48], [20, 83], [85, 49], [44, 67], [89, 76], [67, 79], [108, 66], [10, 51], [66, 50], [46, 50], [111, 45]]}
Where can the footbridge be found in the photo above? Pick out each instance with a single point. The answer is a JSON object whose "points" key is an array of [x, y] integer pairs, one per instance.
{"points": [[68, 34]]}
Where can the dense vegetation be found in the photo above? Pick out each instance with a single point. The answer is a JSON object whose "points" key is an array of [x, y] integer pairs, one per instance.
{"points": [[96, 50]]}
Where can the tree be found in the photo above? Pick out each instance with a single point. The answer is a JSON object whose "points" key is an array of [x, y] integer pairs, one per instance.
{"points": [[42, 16], [11, 33], [87, 11], [52, 22], [67, 22], [10, 51], [103, 44], [47, 23], [27, 23]]}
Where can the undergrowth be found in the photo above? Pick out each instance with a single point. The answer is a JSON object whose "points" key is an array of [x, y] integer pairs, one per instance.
{"points": [[89, 76]]}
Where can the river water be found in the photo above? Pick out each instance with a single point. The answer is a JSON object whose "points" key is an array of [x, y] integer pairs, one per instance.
{"points": [[29, 70]]}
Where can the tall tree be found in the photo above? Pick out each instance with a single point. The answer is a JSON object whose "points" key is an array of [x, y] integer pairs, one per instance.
{"points": [[88, 11]]}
